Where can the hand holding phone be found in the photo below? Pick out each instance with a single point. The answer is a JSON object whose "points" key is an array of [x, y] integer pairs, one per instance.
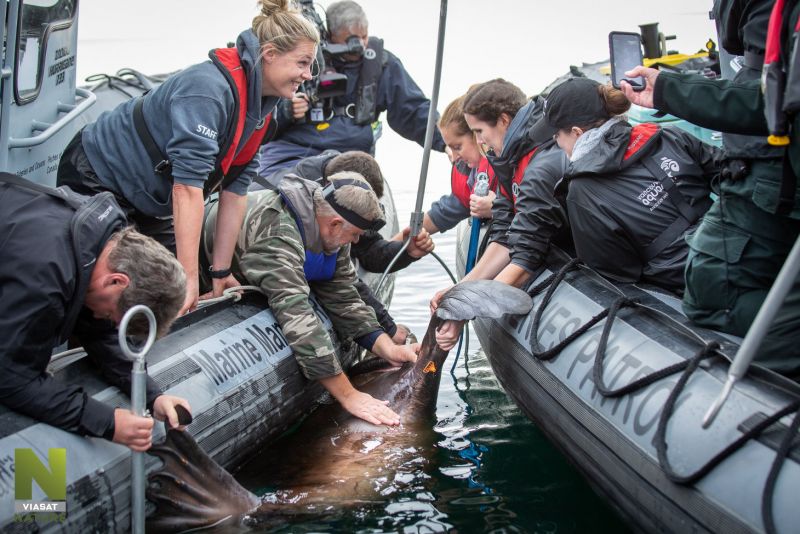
{"points": [[625, 50]]}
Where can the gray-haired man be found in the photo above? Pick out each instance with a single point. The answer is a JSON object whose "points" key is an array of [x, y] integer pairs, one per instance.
{"points": [[297, 239], [376, 82]]}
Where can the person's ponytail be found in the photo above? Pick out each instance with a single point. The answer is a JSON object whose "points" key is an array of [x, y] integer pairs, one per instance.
{"points": [[616, 103]]}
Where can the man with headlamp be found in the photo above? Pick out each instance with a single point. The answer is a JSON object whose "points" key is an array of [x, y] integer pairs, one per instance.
{"points": [[297, 239], [339, 109]]}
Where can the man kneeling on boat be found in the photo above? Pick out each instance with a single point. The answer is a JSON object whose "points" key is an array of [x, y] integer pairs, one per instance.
{"points": [[71, 268], [372, 252], [296, 239]]}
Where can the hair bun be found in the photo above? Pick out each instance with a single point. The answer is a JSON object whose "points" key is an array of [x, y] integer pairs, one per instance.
{"points": [[271, 7]]}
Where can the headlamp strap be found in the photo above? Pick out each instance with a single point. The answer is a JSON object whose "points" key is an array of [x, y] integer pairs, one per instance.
{"points": [[328, 192]]}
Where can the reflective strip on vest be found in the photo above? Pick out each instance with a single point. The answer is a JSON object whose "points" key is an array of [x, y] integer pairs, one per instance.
{"points": [[519, 172]]}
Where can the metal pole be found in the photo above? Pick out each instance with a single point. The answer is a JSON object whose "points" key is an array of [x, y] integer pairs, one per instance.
{"points": [[417, 216], [758, 330], [138, 403]]}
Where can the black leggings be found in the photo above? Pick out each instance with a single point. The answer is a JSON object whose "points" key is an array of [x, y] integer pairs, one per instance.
{"points": [[76, 172]]}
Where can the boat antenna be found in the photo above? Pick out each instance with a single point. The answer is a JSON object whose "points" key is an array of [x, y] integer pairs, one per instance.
{"points": [[417, 215], [758, 330]]}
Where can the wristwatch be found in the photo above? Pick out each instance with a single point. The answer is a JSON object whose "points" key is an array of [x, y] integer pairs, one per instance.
{"points": [[222, 273]]}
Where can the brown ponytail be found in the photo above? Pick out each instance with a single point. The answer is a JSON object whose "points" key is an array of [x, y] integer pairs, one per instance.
{"points": [[282, 26], [615, 101]]}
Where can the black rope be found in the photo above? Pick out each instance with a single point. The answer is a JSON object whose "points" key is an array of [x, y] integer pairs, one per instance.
{"points": [[642, 382], [553, 280], [541, 286], [777, 463], [660, 442], [556, 349], [708, 350]]}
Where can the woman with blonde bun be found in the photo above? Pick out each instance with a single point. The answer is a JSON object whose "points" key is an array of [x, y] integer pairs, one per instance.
{"points": [[198, 133]]}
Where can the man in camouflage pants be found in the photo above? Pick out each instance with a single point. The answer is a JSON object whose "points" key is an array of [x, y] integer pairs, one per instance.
{"points": [[297, 239]]}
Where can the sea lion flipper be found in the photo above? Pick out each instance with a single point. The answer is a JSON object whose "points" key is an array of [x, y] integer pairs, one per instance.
{"points": [[191, 490]]}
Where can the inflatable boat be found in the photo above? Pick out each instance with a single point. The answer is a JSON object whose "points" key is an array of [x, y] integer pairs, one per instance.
{"points": [[229, 359], [619, 380]]}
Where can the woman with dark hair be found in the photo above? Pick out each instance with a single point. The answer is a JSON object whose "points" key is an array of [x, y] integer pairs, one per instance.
{"points": [[526, 216], [634, 191]]}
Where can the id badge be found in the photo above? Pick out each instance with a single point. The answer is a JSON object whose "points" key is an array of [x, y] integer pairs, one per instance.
{"points": [[317, 115]]}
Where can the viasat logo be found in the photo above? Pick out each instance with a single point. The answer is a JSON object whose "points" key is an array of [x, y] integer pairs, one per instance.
{"points": [[51, 478]]}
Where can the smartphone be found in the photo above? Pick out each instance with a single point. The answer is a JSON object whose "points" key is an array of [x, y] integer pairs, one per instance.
{"points": [[625, 49]]}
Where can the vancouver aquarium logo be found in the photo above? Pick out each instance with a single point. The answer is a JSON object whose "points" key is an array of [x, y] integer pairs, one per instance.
{"points": [[52, 479]]}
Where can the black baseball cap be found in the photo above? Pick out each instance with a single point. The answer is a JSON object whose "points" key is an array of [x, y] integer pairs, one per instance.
{"points": [[574, 102]]}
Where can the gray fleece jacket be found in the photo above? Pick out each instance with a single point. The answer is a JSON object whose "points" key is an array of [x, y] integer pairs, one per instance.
{"points": [[187, 116]]}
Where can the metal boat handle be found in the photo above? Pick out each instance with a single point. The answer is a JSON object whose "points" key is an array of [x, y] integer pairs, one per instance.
{"points": [[89, 98], [138, 400]]}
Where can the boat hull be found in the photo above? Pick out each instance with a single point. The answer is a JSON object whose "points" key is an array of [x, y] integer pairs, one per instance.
{"points": [[611, 440]]}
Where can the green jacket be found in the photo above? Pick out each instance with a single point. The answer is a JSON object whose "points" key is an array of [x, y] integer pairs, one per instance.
{"points": [[270, 254], [736, 108]]}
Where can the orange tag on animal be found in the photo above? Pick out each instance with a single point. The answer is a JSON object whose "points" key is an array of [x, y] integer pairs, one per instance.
{"points": [[430, 368]]}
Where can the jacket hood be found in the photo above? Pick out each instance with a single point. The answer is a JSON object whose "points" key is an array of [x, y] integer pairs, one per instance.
{"points": [[94, 223], [607, 149], [250, 53], [298, 195], [519, 140]]}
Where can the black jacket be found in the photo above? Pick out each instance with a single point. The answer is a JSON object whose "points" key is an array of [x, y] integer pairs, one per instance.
{"points": [[618, 207], [526, 214], [48, 256]]}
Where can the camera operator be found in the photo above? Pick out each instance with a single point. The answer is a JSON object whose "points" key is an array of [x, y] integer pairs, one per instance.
{"points": [[341, 114]]}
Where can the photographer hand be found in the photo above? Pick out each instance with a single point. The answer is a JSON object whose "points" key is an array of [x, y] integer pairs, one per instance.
{"points": [[300, 105]]}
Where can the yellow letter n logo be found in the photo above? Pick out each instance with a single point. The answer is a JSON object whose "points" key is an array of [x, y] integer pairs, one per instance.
{"points": [[28, 467]]}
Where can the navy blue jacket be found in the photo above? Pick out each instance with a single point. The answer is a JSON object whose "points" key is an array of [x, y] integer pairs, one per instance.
{"points": [[406, 112], [186, 116]]}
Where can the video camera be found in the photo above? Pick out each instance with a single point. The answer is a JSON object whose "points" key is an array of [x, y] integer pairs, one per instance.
{"points": [[327, 83]]}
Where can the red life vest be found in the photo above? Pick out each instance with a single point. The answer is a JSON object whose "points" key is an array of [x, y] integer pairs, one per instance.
{"points": [[232, 160], [516, 179], [640, 135], [459, 182]]}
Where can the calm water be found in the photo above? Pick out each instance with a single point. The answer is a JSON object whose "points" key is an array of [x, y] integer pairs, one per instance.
{"points": [[485, 467]]}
